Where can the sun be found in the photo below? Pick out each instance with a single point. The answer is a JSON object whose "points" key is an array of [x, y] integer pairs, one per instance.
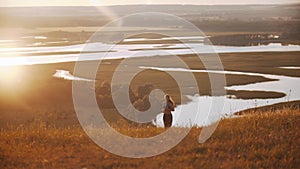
{"points": [[10, 76]]}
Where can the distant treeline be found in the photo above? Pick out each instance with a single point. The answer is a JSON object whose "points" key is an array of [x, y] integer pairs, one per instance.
{"points": [[275, 18], [283, 26]]}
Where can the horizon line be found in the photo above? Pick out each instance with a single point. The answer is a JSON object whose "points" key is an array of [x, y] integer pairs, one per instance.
{"points": [[233, 4]]}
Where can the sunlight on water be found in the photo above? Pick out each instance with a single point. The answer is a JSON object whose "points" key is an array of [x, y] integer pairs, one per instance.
{"points": [[34, 55], [64, 74], [7, 62]]}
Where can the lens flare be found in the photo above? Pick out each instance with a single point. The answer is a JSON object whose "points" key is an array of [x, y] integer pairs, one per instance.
{"points": [[104, 10]]}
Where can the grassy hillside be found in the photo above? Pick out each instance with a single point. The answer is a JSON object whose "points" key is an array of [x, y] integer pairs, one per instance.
{"points": [[266, 139]]}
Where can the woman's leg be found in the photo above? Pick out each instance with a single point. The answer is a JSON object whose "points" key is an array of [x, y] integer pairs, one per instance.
{"points": [[168, 120]]}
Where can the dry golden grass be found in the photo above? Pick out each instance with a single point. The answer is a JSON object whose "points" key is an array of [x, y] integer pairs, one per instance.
{"points": [[261, 140]]}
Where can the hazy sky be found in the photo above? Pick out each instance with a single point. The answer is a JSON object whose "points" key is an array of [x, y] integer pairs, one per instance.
{"points": [[124, 2]]}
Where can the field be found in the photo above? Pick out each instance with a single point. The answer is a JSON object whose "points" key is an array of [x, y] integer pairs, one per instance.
{"points": [[264, 139]]}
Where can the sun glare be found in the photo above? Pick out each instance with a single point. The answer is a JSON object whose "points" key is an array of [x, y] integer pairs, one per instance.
{"points": [[10, 76]]}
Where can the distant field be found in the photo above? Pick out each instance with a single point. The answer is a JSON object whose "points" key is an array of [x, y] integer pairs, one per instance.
{"points": [[40, 95]]}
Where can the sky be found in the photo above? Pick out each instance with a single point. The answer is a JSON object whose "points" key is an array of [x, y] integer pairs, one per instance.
{"points": [[126, 2]]}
